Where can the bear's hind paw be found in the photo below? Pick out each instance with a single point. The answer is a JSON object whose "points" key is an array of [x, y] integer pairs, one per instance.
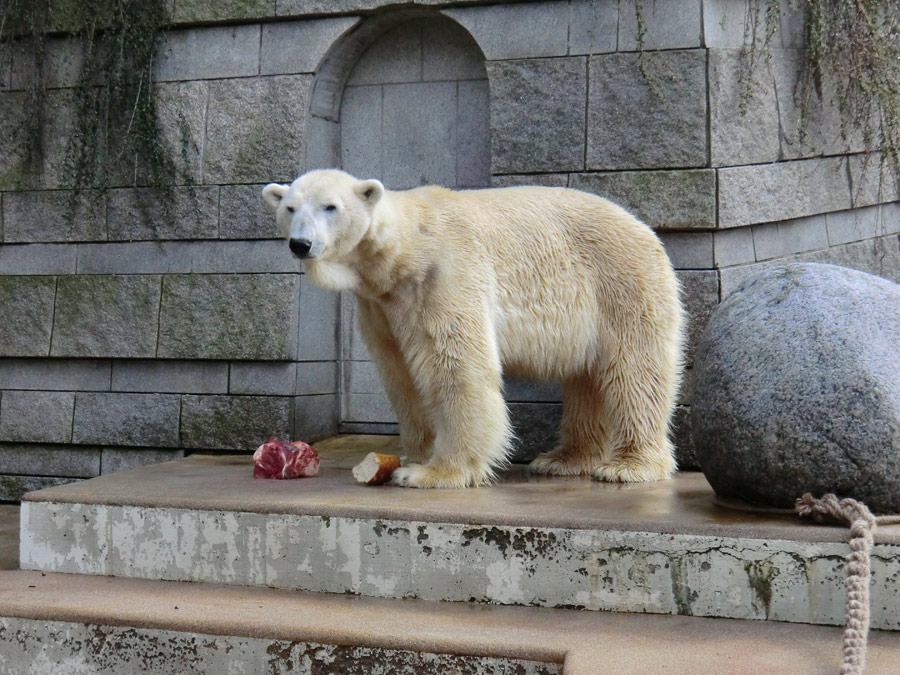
{"points": [[632, 471], [556, 463]]}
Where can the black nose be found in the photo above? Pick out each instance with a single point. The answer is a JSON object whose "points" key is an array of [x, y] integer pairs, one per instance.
{"points": [[300, 247]]}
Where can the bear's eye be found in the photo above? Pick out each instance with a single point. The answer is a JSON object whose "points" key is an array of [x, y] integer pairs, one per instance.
{"points": [[331, 207], [290, 209]]}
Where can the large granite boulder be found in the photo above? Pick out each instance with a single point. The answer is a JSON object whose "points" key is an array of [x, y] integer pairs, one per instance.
{"points": [[797, 388]]}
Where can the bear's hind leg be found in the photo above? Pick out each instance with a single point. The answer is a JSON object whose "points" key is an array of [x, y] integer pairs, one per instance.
{"points": [[640, 397], [583, 438]]}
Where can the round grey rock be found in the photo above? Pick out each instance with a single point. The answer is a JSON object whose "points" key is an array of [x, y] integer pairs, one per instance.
{"points": [[797, 388]]}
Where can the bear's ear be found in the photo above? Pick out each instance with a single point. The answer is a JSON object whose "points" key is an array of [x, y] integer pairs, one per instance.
{"points": [[273, 193], [370, 191]]}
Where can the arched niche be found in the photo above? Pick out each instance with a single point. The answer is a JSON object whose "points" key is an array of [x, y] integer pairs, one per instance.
{"points": [[404, 98]]}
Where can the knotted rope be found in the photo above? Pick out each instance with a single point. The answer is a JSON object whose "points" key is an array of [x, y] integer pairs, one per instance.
{"points": [[862, 528]]}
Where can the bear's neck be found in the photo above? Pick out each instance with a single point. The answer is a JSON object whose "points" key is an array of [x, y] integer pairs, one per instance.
{"points": [[393, 254]]}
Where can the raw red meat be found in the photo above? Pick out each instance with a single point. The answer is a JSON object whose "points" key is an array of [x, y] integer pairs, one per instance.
{"points": [[277, 459]]}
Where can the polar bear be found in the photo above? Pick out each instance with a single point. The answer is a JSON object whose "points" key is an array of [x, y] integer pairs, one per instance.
{"points": [[456, 288]]}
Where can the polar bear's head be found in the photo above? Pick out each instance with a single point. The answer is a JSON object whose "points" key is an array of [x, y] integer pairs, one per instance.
{"points": [[324, 214]]}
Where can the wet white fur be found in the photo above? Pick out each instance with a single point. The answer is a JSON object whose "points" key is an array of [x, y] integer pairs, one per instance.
{"points": [[456, 288]]}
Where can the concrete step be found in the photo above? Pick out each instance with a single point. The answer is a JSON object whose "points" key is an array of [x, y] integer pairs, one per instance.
{"points": [[566, 543], [58, 623]]}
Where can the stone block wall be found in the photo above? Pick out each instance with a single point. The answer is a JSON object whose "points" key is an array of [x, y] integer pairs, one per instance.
{"points": [[133, 335]]}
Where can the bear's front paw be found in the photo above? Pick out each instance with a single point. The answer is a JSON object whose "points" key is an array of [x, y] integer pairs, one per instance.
{"points": [[428, 476]]}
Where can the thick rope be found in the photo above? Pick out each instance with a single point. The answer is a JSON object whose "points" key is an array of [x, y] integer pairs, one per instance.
{"points": [[862, 529]]}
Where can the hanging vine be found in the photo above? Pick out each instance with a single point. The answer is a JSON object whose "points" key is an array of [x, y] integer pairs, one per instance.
{"points": [[115, 137], [852, 45], [23, 31], [849, 60], [855, 45]]}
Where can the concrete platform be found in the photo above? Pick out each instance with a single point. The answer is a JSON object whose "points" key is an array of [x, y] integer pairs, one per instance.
{"points": [[63, 623], [657, 548], [225, 483]]}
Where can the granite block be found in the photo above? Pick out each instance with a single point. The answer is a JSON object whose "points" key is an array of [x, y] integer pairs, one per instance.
{"points": [[244, 116], [149, 420], [648, 121], [46, 216], [228, 316], [683, 199], [43, 459], [663, 23], [689, 250], [537, 114], [138, 214], [122, 459], [243, 214], [262, 378], [106, 316], [37, 259], [29, 300], [36, 416], [175, 377], [782, 191], [233, 422], [299, 46], [208, 53], [55, 374], [517, 31]]}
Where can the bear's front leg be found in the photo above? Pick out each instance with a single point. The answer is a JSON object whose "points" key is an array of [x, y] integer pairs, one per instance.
{"points": [[455, 364], [416, 435]]}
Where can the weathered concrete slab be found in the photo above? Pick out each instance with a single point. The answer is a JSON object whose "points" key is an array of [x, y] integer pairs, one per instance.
{"points": [[55, 646], [541, 542], [535, 640], [607, 570]]}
